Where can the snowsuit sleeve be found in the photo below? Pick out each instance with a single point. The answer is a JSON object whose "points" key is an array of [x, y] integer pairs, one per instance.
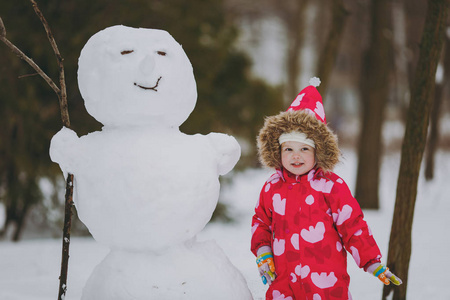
{"points": [[262, 222], [351, 226]]}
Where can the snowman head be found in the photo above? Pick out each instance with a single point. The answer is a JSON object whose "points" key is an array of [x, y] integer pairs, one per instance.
{"points": [[136, 77]]}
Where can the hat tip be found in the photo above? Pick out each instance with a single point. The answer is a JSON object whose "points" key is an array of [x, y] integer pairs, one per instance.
{"points": [[315, 81]]}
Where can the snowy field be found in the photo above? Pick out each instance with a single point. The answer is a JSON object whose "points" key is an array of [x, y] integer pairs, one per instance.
{"points": [[30, 269]]}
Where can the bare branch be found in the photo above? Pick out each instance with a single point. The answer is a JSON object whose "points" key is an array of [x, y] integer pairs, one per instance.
{"points": [[23, 56], [47, 29], [69, 186], [2, 28], [62, 81], [27, 75]]}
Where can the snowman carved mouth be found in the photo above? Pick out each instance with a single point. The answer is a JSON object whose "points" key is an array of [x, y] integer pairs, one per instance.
{"points": [[149, 88]]}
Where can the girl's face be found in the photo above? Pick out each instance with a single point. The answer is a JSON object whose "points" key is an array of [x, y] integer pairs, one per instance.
{"points": [[297, 158]]}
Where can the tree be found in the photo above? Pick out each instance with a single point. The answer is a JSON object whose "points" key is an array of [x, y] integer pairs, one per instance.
{"points": [[433, 139], [374, 93], [330, 51], [414, 144]]}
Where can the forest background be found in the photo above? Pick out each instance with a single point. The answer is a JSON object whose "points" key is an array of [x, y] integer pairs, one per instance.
{"points": [[250, 59]]}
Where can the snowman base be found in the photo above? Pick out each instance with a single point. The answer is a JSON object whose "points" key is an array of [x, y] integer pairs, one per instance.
{"points": [[192, 270]]}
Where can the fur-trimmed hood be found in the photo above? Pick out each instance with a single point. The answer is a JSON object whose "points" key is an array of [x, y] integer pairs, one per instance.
{"points": [[326, 145]]}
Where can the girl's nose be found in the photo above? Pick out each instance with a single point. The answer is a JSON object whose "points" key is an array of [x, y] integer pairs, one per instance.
{"points": [[147, 65], [296, 155]]}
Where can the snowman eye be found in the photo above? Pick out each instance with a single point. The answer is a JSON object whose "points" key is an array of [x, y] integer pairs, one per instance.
{"points": [[162, 53], [124, 52]]}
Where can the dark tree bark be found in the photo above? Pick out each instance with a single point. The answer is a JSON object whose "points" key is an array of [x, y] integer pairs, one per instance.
{"points": [[20, 195], [374, 92], [330, 51], [433, 140], [414, 145]]}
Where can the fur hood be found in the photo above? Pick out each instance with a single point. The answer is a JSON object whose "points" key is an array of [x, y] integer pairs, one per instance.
{"points": [[327, 151]]}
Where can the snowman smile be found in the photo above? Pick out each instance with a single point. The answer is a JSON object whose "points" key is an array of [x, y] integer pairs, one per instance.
{"points": [[149, 88]]}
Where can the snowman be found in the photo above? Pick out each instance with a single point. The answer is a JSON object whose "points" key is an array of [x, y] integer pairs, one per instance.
{"points": [[142, 187]]}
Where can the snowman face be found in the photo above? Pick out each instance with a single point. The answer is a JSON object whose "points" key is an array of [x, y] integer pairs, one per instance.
{"points": [[129, 76]]}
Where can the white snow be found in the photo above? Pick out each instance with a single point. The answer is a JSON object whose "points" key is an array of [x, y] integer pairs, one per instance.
{"points": [[30, 269]]}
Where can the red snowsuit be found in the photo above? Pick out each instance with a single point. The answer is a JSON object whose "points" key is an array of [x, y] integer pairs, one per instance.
{"points": [[308, 220]]}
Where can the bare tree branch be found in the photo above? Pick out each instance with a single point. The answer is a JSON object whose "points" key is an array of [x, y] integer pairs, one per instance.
{"points": [[27, 75], [28, 60], [62, 82], [2, 29]]}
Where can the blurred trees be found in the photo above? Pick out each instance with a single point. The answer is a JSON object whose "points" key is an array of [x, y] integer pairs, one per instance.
{"points": [[377, 51], [292, 14], [229, 98], [330, 50], [374, 93]]}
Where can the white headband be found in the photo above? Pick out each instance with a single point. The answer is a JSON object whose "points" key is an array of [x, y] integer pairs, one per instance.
{"points": [[296, 136]]}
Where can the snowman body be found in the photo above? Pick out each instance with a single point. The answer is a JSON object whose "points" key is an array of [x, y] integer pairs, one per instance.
{"points": [[142, 187], [183, 204]]}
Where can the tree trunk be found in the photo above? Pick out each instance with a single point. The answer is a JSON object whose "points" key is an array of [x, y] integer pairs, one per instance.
{"points": [[414, 144], [433, 140], [295, 24], [434, 132], [20, 221], [331, 49], [400, 55], [374, 92]]}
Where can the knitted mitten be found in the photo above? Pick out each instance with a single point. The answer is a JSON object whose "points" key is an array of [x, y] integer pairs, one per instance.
{"points": [[266, 266], [383, 273]]}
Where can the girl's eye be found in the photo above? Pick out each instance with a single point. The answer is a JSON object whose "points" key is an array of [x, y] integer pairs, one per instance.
{"points": [[287, 149], [305, 149], [162, 53], [124, 52]]}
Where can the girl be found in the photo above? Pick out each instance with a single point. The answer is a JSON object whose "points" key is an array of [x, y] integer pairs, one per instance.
{"points": [[306, 218]]}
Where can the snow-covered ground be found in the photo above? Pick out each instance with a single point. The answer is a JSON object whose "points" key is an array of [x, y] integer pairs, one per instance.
{"points": [[30, 269]]}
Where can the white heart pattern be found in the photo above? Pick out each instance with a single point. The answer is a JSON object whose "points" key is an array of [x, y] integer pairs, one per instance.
{"points": [[355, 254], [342, 215], [295, 241], [302, 271], [322, 185], [278, 247], [314, 234], [297, 100], [323, 280], [319, 110], [338, 246], [279, 205]]}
